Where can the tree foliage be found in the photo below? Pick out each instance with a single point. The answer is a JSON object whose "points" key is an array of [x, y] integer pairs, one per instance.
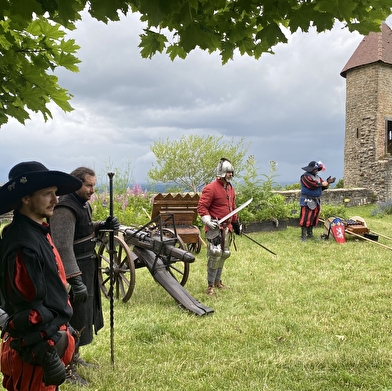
{"points": [[29, 56], [251, 26], [191, 162], [29, 33]]}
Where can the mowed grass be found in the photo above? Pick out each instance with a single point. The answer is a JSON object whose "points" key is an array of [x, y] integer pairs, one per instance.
{"points": [[315, 317]]}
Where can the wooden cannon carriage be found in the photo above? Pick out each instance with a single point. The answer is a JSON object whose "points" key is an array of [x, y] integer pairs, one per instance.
{"points": [[155, 247], [183, 208]]}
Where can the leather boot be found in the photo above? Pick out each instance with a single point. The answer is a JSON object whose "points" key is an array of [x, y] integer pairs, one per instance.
{"points": [[309, 231], [303, 234], [79, 361], [210, 290], [72, 376], [220, 285]]}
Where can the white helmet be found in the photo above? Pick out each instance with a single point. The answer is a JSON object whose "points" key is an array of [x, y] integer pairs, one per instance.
{"points": [[224, 167]]}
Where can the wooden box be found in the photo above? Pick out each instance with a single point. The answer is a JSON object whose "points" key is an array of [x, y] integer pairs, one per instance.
{"points": [[357, 229]]}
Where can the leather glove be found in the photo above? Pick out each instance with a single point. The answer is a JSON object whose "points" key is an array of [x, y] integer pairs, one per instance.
{"points": [[111, 223], [211, 224], [331, 180], [237, 228], [79, 290], [54, 369]]}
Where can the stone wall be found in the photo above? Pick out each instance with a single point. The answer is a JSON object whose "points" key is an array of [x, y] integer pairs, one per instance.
{"points": [[368, 106], [348, 197]]}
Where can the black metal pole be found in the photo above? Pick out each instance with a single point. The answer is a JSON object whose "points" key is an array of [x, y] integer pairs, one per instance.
{"points": [[255, 241], [111, 256]]}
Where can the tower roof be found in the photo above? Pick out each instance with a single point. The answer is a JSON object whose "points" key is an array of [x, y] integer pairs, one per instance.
{"points": [[375, 47]]}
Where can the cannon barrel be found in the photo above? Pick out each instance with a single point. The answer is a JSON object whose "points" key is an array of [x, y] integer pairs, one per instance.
{"points": [[155, 244]]}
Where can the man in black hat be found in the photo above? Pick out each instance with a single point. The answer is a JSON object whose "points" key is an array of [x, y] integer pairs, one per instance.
{"points": [[311, 188], [37, 343]]}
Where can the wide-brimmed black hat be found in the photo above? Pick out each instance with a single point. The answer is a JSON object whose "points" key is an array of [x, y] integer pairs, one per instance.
{"points": [[313, 165], [27, 177]]}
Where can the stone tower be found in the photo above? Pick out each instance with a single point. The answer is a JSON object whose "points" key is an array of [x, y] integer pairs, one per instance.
{"points": [[368, 135]]}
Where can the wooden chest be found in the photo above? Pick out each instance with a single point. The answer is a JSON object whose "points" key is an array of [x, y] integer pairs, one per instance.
{"points": [[357, 229]]}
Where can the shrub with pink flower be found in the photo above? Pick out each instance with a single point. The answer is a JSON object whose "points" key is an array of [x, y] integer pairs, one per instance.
{"points": [[132, 207]]}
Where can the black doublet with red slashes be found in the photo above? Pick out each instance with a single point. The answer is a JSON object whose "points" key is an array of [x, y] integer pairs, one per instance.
{"points": [[33, 295]]}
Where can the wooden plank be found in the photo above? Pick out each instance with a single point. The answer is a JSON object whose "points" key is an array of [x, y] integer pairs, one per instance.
{"points": [[180, 217], [176, 205]]}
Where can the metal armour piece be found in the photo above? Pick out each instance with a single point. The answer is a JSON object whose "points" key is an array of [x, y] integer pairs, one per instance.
{"points": [[212, 233], [224, 166]]}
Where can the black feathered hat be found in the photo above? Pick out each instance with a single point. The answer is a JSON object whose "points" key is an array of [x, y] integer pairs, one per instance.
{"points": [[313, 165], [27, 177]]}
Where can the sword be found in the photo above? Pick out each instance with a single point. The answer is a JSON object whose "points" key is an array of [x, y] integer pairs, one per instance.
{"points": [[236, 210], [213, 233]]}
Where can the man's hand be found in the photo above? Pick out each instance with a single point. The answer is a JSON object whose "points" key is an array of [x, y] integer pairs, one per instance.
{"points": [[211, 224], [331, 180], [237, 228], [54, 369], [111, 223], [79, 290]]}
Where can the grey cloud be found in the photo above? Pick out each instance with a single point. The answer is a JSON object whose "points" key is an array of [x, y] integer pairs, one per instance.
{"points": [[290, 106]]}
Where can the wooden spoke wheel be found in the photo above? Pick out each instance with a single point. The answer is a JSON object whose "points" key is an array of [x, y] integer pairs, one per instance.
{"points": [[179, 269], [123, 269], [195, 247]]}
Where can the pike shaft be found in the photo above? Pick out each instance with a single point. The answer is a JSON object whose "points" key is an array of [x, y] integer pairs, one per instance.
{"points": [[111, 254], [255, 241]]}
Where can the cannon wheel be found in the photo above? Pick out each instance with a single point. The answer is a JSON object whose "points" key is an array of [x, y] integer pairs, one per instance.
{"points": [[179, 270], [123, 268], [195, 247]]}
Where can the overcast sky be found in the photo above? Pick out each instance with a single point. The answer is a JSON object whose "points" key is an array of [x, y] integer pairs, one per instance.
{"points": [[290, 106]]}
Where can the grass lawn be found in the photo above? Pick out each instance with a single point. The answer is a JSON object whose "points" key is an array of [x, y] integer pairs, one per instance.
{"points": [[316, 317]]}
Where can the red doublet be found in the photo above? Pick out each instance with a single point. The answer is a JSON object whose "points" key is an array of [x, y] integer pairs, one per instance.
{"points": [[217, 201]]}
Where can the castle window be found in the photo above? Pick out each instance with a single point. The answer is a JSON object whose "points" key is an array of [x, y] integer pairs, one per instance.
{"points": [[388, 126]]}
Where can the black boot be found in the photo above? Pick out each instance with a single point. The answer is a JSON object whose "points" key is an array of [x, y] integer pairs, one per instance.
{"points": [[303, 234], [79, 361], [72, 376], [309, 231]]}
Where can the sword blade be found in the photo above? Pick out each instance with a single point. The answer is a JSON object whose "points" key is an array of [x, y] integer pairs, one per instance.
{"points": [[233, 212]]}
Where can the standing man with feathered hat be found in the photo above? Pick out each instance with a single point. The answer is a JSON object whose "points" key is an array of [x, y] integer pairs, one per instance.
{"points": [[312, 185]]}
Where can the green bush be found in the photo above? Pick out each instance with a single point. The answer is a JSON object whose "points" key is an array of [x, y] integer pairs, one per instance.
{"points": [[131, 207], [293, 186], [333, 211], [339, 184], [266, 204]]}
